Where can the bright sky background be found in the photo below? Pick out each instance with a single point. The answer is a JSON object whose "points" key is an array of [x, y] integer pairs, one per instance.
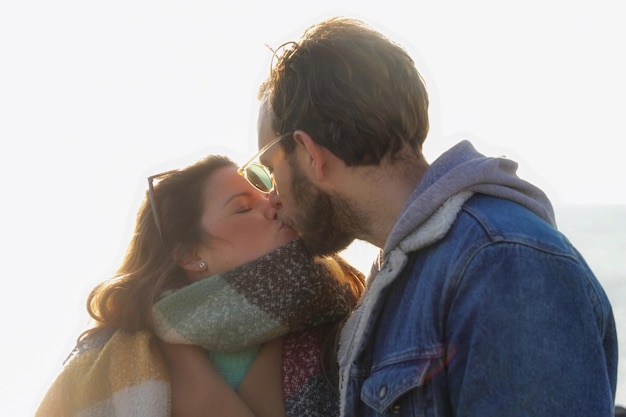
{"points": [[96, 96]]}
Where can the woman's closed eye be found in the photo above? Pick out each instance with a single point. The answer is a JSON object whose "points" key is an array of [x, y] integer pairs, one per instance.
{"points": [[244, 202], [241, 204], [243, 209]]}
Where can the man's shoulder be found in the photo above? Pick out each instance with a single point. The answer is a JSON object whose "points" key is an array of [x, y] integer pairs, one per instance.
{"points": [[501, 214], [501, 220]]}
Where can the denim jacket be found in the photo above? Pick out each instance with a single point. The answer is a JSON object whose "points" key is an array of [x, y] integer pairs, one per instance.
{"points": [[480, 307], [485, 309]]}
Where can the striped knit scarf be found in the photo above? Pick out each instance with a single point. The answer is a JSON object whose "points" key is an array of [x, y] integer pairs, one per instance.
{"points": [[285, 292], [282, 292]]}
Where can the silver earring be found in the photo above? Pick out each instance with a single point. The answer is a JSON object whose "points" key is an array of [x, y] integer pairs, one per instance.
{"points": [[203, 266]]}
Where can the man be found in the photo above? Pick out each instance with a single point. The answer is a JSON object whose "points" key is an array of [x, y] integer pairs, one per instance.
{"points": [[479, 307]]}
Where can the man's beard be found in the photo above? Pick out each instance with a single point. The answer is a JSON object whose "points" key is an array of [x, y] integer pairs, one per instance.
{"points": [[328, 223]]}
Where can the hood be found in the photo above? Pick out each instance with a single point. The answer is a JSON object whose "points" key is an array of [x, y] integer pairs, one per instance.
{"points": [[463, 169]]}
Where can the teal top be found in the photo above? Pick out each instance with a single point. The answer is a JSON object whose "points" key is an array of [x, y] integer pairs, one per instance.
{"points": [[233, 366]]}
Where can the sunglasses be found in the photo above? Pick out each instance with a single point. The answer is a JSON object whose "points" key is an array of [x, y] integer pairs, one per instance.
{"points": [[153, 205], [257, 174]]}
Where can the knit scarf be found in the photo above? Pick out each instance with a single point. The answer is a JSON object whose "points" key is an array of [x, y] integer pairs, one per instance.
{"points": [[286, 292], [283, 291], [116, 373]]}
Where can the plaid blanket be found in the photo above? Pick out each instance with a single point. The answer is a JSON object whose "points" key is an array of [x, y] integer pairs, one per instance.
{"points": [[113, 374], [284, 293]]}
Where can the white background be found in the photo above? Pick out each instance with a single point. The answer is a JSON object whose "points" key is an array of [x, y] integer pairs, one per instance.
{"points": [[97, 95]]}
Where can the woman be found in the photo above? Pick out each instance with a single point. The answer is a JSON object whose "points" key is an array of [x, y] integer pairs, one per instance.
{"points": [[254, 339]]}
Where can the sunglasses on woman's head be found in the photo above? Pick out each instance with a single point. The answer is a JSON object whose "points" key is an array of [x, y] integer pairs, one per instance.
{"points": [[153, 205], [257, 174]]}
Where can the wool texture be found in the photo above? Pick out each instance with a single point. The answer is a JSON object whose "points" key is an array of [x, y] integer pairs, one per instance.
{"points": [[112, 374], [284, 293]]}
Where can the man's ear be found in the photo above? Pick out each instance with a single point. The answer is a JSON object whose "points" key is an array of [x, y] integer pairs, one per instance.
{"points": [[317, 155]]}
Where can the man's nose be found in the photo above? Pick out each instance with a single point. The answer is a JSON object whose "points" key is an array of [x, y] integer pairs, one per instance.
{"points": [[275, 200], [272, 205]]}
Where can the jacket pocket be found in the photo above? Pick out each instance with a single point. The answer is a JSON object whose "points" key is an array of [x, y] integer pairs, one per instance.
{"points": [[385, 386]]}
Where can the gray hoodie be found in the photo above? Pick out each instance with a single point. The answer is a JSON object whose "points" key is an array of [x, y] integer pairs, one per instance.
{"points": [[463, 169]]}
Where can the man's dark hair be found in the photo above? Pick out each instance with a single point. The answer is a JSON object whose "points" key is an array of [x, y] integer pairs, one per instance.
{"points": [[351, 89]]}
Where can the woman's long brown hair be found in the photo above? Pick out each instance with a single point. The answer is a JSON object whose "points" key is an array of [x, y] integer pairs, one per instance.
{"points": [[150, 264]]}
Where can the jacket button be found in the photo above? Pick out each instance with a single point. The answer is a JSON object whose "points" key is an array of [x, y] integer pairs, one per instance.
{"points": [[395, 408], [382, 392]]}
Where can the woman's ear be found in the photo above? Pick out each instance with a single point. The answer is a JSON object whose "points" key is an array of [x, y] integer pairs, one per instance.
{"points": [[192, 263]]}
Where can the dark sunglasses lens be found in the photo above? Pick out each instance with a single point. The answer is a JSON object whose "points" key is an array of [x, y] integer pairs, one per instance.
{"points": [[259, 177]]}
